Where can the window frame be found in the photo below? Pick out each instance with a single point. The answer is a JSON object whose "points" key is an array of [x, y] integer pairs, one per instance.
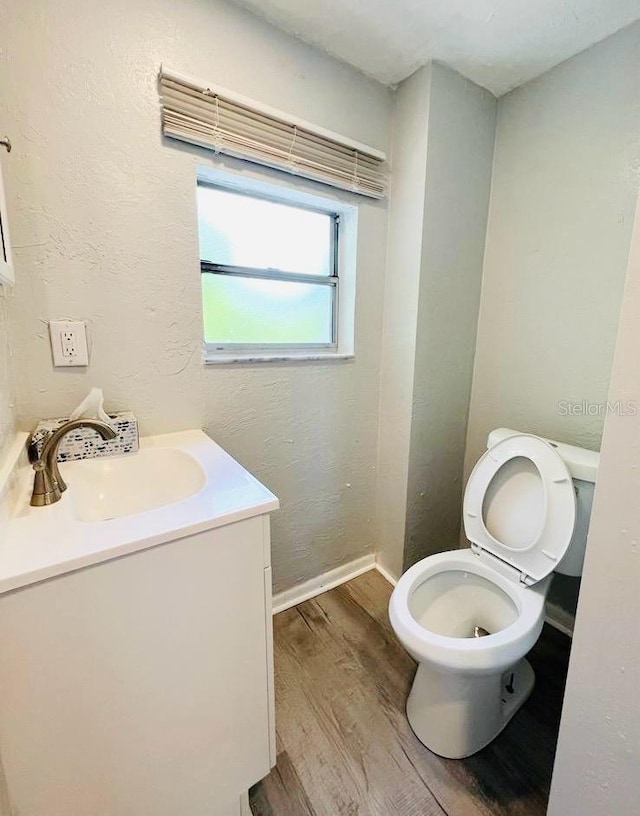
{"points": [[7, 274], [299, 194]]}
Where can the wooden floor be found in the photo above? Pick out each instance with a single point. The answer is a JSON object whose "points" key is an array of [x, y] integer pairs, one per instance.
{"points": [[344, 745]]}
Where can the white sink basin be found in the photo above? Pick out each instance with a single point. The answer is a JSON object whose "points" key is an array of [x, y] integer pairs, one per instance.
{"points": [[116, 486], [175, 486]]}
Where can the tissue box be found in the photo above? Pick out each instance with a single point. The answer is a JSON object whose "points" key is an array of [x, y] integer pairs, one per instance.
{"points": [[84, 443]]}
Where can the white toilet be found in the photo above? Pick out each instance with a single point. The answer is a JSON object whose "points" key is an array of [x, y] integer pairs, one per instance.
{"points": [[469, 616]]}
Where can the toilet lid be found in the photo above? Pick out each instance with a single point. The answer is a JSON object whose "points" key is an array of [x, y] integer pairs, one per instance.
{"points": [[520, 505]]}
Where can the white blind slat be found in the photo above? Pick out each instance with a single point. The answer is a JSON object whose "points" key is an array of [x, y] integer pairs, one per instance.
{"points": [[222, 111], [229, 121], [278, 142], [217, 120]]}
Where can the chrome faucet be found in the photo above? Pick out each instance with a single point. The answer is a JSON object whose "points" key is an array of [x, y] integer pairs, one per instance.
{"points": [[48, 484]]}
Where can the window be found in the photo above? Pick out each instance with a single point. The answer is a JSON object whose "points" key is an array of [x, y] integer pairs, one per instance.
{"points": [[270, 262]]}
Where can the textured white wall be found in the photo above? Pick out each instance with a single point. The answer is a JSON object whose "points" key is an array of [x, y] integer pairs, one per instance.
{"points": [[461, 132], [564, 187], [104, 229], [443, 133], [596, 767], [404, 257]]}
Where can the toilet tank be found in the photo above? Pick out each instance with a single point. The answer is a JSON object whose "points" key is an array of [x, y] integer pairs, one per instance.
{"points": [[582, 464]]}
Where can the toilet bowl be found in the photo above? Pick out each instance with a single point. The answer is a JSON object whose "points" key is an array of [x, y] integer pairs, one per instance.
{"points": [[469, 616]]}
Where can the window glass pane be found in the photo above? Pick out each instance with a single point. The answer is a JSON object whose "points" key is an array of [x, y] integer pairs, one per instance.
{"points": [[249, 310], [237, 230]]}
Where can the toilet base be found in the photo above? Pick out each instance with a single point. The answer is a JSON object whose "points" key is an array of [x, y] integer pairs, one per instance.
{"points": [[456, 715]]}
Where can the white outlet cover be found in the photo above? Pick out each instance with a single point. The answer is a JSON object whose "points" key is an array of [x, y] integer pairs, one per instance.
{"points": [[68, 343]]}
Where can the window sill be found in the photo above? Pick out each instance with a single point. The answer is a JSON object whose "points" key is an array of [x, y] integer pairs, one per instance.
{"points": [[278, 357]]}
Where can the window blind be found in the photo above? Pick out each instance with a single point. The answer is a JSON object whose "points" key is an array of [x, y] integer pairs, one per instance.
{"points": [[225, 122]]}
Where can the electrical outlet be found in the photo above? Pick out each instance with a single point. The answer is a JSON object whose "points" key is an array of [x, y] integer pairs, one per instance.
{"points": [[68, 343]]}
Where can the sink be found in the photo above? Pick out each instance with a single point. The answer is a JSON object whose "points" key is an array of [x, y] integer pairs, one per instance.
{"points": [[177, 485], [116, 486]]}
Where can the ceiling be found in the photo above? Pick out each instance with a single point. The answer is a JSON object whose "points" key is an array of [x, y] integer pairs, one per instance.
{"points": [[499, 44]]}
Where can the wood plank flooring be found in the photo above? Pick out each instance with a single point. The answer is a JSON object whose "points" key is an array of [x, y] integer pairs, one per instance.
{"points": [[344, 745]]}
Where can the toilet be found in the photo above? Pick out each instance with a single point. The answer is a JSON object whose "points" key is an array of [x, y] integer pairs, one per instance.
{"points": [[469, 616]]}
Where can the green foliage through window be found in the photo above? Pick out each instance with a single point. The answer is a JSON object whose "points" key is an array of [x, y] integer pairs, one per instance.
{"points": [[268, 270]]}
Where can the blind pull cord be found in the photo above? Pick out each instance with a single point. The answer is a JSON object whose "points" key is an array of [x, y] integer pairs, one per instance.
{"points": [[292, 161]]}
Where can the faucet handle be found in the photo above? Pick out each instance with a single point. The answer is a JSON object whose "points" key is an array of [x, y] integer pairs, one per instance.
{"points": [[32, 447]]}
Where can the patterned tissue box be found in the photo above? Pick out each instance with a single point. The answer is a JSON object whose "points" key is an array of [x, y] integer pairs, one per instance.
{"points": [[84, 443]]}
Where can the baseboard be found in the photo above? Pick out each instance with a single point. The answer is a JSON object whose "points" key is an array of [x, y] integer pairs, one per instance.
{"points": [[386, 575], [322, 583], [560, 625]]}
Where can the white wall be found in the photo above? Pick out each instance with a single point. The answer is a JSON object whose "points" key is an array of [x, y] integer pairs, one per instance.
{"points": [[404, 258], [598, 755], [104, 229], [442, 150], [461, 133], [564, 186]]}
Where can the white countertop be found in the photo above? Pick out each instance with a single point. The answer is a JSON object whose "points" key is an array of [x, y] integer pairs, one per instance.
{"points": [[37, 543]]}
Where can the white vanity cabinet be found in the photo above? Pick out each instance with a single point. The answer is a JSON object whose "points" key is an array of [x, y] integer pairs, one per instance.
{"points": [[142, 685]]}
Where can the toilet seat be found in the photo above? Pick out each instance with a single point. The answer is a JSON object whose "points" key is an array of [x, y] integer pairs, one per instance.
{"points": [[473, 655], [526, 489]]}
